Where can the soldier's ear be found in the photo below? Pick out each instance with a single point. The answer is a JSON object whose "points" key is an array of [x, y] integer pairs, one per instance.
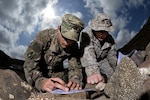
{"points": [[59, 28]]}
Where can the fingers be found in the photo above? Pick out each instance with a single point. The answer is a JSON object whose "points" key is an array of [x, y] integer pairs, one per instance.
{"points": [[58, 80], [69, 84], [78, 87], [60, 86], [52, 83], [91, 80], [100, 78], [73, 85], [48, 88], [95, 78], [47, 85]]}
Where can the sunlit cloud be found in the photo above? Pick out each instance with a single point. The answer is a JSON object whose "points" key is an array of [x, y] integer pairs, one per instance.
{"points": [[48, 12], [49, 19]]}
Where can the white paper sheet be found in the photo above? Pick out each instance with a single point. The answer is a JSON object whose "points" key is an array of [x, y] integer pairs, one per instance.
{"points": [[58, 91], [120, 55]]}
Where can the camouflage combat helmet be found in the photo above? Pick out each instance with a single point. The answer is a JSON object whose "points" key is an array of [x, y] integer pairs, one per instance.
{"points": [[102, 22], [71, 27]]}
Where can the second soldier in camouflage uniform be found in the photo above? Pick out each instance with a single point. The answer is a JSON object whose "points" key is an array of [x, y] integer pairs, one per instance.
{"points": [[98, 50], [44, 57]]}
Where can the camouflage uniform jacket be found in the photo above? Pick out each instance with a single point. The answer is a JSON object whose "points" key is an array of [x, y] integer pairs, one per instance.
{"points": [[96, 57], [44, 57]]}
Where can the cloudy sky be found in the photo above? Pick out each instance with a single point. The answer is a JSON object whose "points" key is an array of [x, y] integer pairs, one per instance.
{"points": [[20, 20]]}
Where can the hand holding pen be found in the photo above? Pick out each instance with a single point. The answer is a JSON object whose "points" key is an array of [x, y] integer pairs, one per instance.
{"points": [[53, 83]]}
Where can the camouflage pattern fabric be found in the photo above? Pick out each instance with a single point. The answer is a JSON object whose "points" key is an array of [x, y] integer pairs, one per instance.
{"points": [[71, 27], [102, 22], [44, 59], [98, 58]]}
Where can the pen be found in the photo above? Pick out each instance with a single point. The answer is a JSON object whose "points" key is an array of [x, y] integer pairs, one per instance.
{"points": [[68, 88]]}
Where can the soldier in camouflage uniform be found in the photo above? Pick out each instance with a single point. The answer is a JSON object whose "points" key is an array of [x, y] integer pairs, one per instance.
{"points": [[44, 57], [99, 55]]}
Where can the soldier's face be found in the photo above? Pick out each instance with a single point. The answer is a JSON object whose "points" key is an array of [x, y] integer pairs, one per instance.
{"points": [[101, 35], [65, 43]]}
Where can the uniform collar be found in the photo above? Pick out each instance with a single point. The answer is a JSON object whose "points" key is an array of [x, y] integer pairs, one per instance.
{"points": [[106, 45], [55, 45]]}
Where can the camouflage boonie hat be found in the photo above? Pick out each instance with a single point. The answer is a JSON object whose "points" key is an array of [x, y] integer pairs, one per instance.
{"points": [[102, 22], [71, 27]]}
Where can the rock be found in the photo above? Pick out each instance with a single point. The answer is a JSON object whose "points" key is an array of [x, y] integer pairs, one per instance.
{"points": [[103, 97], [126, 82], [145, 89], [12, 87], [147, 50], [100, 86], [145, 67], [138, 57]]}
